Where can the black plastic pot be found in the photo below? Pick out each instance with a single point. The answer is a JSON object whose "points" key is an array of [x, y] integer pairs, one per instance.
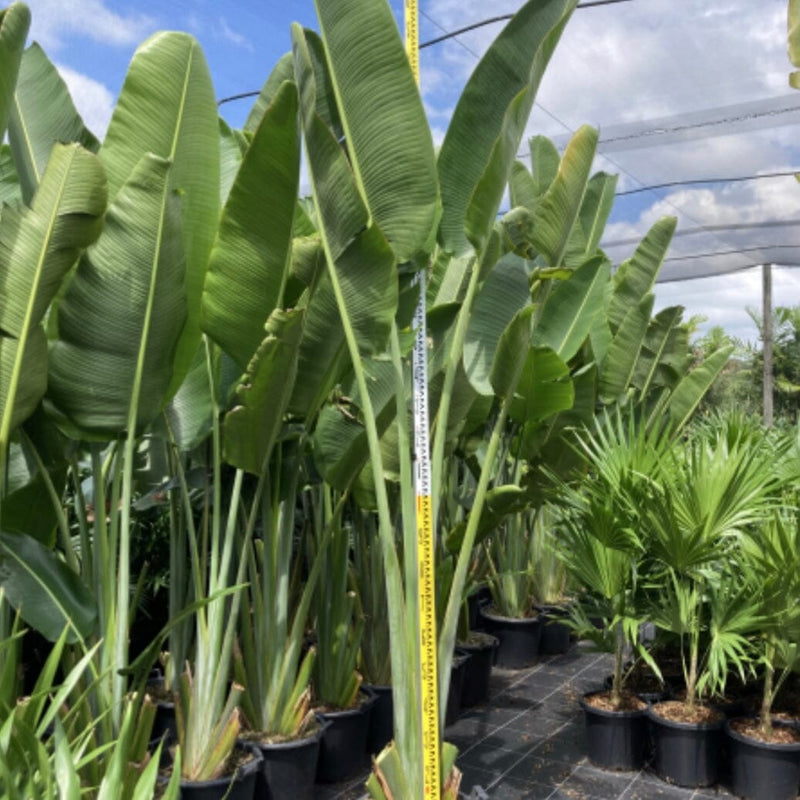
{"points": [[381, 725], [239, 786], [289, 768], [343, 748], [518, 639], [615, 739], [164, 725], [475, 602], [685, 753], [478, 671], [555, 634], [458, 672], [760, 770]]}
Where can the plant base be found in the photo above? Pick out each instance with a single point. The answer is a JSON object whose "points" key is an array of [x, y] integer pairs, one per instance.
{"points": [[615, 739], [289, 768], [760, 770], [685, 753], [519, 639], [343, 748]]}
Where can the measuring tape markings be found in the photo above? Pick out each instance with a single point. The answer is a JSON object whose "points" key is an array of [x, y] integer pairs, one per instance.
{"points": [[429, 685]]}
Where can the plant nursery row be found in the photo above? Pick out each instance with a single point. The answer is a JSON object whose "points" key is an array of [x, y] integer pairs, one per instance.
{"points": [[209, 574]]}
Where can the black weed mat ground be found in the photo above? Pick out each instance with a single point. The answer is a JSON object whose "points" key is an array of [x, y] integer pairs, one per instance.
{"points": [[527, 743]]}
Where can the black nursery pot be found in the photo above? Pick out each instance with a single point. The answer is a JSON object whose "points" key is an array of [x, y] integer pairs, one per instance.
{"points": [[289, 768], [381, 725], [475, 602], [760, 770], [685, 753], [458, 673], [164, 724], [478, 671], [615, 739], [555, 634], [519, 639], [239, 786], [343, 748]]}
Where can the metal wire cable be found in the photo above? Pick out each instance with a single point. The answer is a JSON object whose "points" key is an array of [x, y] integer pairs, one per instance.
{"points": [[502, 18]]}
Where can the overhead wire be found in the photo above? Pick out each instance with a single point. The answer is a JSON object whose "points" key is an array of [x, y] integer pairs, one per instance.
{"points": [[454, 34], [501, 18]]}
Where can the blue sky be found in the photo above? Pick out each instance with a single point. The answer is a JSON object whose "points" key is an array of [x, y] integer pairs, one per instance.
{"points": [[617, 65]]}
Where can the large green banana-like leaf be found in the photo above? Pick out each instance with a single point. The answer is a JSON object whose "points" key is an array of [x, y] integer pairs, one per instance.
{"points": [[167, 107], [512, 353], [357, 251], [282, 71], [387, 134], [123, 311], [545, 160], [664, 358], [190, 412], [514, 63], [249, 263], [323, 351], [690, 391], [522, 187], [570, 309], [48, 594], [619, 365], [595, 210], [637, 276], [485, 200], [544, 387], [503, 294], [25, 508], [14, 24], [558, 210], [253, 424], [340, 440], [37, 248], [547, 442], [42, 114], [10, 191], [232, 147]]}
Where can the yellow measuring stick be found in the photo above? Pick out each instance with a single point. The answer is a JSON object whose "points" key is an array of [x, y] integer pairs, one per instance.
{"points": [[429, 683]]}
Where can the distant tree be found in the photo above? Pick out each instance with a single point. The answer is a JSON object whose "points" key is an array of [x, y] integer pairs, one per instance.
{"points": [[734, 387], [785, 360]]}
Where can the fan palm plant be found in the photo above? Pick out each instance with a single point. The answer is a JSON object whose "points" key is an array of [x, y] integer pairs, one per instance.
{"points": [[603, 547], [711, 491], [770, 563]]}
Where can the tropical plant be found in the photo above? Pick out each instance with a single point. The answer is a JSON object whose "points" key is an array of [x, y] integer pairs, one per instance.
{"points": [[603, 547], [718, 485], [549, 576], [338, 623], [769, 565]]}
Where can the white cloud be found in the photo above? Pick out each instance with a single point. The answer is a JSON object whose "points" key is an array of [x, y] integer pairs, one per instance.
{"points": [[233, 37], [643, 60], [94, 101], [55, 20]]}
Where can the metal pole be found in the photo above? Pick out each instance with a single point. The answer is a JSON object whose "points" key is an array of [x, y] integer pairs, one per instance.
{"points": [[766, 296]]}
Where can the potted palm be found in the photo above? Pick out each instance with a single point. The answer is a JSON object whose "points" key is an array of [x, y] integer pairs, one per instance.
{"points": [[710, 491], [765, 754], [603, 552]]}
